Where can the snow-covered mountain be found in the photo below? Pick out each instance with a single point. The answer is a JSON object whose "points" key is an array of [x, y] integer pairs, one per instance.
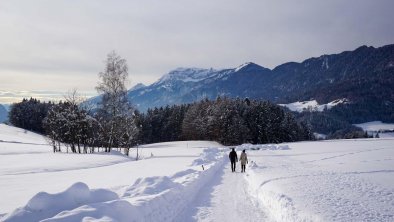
{"points": [[364, 78], [185, 85]]}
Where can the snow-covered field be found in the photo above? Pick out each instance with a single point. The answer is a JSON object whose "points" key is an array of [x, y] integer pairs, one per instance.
{"points": [[376, 126], [385, 129], [343, 180]]}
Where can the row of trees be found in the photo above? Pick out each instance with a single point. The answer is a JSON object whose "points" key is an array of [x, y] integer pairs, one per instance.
{"points": [[29, 114], [228, 121]]}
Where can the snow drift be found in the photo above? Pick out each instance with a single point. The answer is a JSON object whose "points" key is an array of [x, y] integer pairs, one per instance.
{"points": [[146, 200], [44, 205]]}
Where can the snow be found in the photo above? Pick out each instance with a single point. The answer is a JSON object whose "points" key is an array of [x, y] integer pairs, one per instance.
{"points": [[376, 126], [44, 205], [386, 130], [330, 180], [320, 136], [137, 87], [147, 199], [242, 66], [312, 105], [186, 75], [344, 180], [325, 63], [225, 198], [16, 135], [29, 166]]}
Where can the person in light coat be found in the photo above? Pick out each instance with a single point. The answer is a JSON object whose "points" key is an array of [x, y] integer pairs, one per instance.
{"points": [[244, 160]]}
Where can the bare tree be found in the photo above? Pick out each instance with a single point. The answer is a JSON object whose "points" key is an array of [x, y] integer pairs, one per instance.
{"points": [[114, 109]]}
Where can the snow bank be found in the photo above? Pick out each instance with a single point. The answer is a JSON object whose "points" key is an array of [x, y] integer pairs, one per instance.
{"points": [[249, 146], [210, 155], [150, 186], [148, 199], [280, 206], [44, 205]]}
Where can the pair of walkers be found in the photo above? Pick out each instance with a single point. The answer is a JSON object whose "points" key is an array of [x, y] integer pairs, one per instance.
{"points": [[234, 158]]}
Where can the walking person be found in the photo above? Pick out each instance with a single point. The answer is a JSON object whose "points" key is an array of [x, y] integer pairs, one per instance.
{"points": [[244, 160], [233, 159]]}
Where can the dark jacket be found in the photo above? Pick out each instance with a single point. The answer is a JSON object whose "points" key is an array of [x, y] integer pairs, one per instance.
{"points": [[233, 156]]}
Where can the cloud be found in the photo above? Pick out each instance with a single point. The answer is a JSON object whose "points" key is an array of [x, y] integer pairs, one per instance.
{"points": [[58, 45]]}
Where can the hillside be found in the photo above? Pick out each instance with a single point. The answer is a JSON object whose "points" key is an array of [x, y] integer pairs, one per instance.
{"points": [[364, 77]]}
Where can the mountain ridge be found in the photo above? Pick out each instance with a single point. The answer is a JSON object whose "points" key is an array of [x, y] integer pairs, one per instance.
{"points": [[362, 76]]}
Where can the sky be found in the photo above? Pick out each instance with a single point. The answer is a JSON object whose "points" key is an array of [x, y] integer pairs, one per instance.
{"points": [[50, 47]]}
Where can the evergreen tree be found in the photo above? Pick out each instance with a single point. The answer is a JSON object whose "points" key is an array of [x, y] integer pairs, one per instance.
{"points": [[28, 114]]}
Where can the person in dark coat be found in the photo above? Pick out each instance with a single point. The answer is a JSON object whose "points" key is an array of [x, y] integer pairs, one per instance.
{"points": [[233, 159]]}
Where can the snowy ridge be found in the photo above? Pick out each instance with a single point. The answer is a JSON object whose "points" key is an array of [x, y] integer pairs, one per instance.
{"points": [[146, 200], [312, 105], [186, 75], [137, 86], [242, 66]]}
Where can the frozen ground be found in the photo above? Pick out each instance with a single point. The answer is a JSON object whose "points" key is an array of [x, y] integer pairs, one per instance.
{"points": [[342, 180]]}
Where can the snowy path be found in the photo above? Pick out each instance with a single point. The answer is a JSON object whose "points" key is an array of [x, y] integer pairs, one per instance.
{"points": [[225, 198]]}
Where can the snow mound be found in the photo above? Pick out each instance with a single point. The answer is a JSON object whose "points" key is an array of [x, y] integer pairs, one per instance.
{"points": [[111, 211], [249, 146], [44, 205], [208, 156], [252, 165], [150, 186], [183, 173]]}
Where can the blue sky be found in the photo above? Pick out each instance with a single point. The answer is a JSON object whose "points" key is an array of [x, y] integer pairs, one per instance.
{"points": [[51, 47]]}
